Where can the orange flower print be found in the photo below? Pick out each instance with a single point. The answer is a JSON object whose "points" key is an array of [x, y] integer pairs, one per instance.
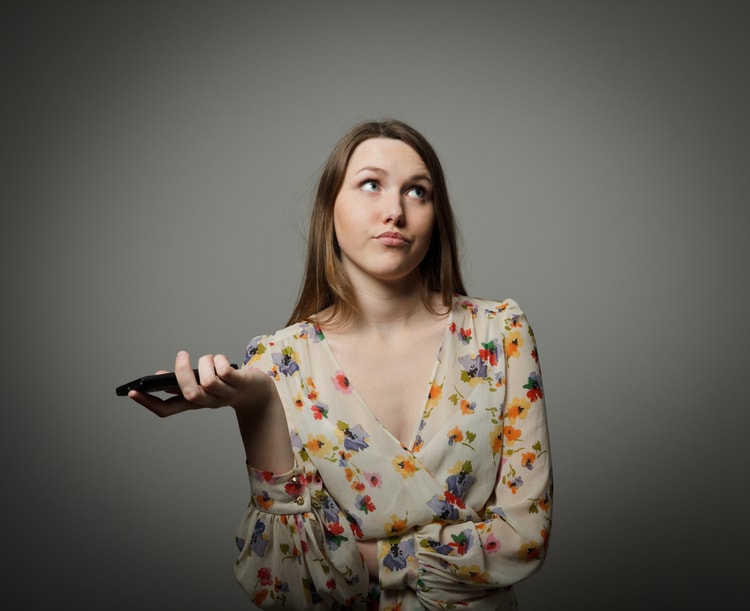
{"points": [[518, 408], [259, 596], [527, 460], [395, 526], [474, 573], [515, 322], [530, 551], [312, 394], [514, 484], [544, 504], [263, 500], [433, 397], [455, 436], [511, 435], [405, 465], [467, 408], [341, 382], [513, 341], [496, 439], [317, 445]]}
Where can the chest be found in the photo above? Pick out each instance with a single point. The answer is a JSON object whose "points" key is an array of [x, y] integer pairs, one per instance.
{"points": [[393, 378]]}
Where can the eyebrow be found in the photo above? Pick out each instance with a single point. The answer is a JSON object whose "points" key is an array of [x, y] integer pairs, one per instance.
{"points": [[418, 176]]}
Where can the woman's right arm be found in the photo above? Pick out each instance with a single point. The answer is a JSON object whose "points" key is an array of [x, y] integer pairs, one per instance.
{"points": [[291, 533]]}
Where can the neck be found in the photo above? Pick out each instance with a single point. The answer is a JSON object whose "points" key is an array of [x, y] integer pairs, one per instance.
{"points": [[386, 310]]}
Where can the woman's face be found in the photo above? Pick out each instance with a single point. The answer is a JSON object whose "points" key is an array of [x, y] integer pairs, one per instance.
{"points": [[383, 214]]}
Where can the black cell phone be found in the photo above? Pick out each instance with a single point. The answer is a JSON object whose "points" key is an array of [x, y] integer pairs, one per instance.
{"points": [[154, 383]]}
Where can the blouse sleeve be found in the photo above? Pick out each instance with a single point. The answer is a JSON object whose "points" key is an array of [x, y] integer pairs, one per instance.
{"points": [[448, 562], [295, 548]]}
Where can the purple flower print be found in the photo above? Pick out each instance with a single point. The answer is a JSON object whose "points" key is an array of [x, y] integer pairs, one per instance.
{"points": [[252, 349], [284, 360], [329, 507], [442, 508], [459, 483], [474, 367], [398, 555], [354, 437], [257, 543]]}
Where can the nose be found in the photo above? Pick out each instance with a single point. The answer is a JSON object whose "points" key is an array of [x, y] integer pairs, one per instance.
{"points": [[393, 209]]}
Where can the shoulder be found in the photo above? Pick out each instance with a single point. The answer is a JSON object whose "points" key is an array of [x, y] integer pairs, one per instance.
{"points": [[490, 309], [292, 336]]}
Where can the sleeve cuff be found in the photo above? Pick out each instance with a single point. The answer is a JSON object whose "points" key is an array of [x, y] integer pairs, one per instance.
{"points": [[285, 493]]}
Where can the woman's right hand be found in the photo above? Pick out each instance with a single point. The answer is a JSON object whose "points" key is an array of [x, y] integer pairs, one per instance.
{"points": [[220, 385], [252, 394]]}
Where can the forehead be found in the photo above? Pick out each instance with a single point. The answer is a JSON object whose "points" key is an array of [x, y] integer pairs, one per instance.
{"points": [[386, 154]]}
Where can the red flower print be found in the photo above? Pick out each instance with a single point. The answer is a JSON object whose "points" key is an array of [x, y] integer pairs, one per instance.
{"points": [[373, 479], [534, 388], [331, 584], [489, 353], [454, 500], [265, 476], [334, 528], [491, 544], [264, 575], [341, 382]]}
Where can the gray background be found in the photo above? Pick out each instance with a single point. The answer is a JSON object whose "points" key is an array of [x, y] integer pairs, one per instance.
{"points": [[158, 162]]}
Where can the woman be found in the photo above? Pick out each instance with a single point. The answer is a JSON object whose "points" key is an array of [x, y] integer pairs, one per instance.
{"points": [[395, 430]]}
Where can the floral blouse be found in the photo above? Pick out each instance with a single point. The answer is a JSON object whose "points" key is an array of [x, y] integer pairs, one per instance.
{"points": [[460, 515]]}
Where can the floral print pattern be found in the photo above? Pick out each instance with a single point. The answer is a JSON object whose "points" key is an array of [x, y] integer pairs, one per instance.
{"points": [[460, 515]]}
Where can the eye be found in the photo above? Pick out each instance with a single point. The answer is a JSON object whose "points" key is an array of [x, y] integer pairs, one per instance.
{"points": [[369, 186], [417, 192]]}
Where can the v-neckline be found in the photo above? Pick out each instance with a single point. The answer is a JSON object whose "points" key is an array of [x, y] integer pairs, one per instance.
{"points": [[433, 374]]}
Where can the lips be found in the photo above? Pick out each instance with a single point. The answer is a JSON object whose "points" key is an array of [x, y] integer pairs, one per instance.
{"points": [[392, 238]]}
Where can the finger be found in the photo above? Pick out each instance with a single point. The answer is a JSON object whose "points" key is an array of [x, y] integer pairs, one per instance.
{"points": [[183, 370], [224, 370], [158, 406], [212, 384]]}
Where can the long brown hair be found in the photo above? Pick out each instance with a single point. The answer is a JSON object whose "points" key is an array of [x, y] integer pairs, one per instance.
{"points": [[325, 282]]}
